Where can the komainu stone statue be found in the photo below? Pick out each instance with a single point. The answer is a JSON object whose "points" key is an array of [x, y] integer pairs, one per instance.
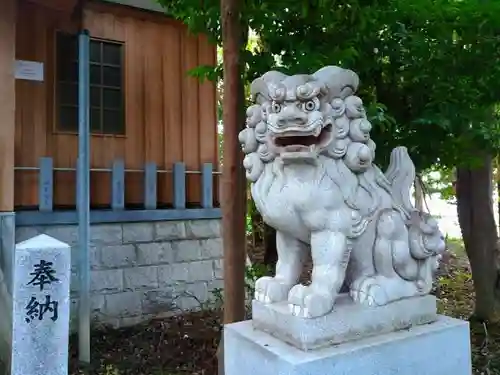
{"points": [[309, 157]]}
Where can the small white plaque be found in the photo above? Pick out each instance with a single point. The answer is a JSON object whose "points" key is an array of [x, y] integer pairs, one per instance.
{"points": [[29, 70]]}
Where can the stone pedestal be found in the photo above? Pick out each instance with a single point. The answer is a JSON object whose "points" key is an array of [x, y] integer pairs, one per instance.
{"points": [[40, 330], [439, 348], [347, 322], [406, 337]]}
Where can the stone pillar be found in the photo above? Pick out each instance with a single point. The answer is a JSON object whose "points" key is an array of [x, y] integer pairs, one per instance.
{"points": [[41, 302]]}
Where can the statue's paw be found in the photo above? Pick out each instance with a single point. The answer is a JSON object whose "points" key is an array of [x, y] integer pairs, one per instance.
{"points": [[270, 289], [369, 291], [305, 302]]}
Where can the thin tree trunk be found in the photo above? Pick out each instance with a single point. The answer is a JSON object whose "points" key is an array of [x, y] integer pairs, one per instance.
{"points": [[497, 180], [233, 177], [498, 202], [476, 218], [256, 223], [419, 194]]}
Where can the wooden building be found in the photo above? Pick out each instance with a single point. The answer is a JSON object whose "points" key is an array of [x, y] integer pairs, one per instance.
{"points": [[146, 112], [153, 147]]}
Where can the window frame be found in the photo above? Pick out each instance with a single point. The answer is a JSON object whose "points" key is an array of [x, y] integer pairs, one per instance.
{"points": [[102, 132]]}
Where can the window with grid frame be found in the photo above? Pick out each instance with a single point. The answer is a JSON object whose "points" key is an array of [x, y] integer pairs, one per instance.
{"points": [[106, 85]]}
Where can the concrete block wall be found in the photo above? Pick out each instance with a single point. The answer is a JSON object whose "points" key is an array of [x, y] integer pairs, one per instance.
{"points": [[7, 235], [140, 271]]}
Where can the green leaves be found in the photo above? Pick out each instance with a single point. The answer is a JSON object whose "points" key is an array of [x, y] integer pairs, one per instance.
{"points": [[428, 69], [209, 72]]}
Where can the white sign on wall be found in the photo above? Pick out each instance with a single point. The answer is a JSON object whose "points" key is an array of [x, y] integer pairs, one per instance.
{"points": [[29, 70]]}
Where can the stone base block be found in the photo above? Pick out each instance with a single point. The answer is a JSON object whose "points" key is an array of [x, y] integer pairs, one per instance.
{"points": [[439, 348], [348, 321]]}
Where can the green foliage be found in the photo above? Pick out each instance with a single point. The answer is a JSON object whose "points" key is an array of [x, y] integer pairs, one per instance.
{"points": [[256, 271], [428, 74], [248, 221], [252, 273], [217, 300], [416, 58], [207, 72], [440, 179]]}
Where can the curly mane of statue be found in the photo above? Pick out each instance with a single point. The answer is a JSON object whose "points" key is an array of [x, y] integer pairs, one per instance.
{"points": [[309, 157]]}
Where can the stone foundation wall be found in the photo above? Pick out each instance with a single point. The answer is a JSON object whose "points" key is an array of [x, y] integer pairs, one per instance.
{"points": [[7, 228], [140, 271]]}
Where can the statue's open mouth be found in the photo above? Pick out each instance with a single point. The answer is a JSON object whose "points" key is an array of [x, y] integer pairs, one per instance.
{"points": [[300, 142]]}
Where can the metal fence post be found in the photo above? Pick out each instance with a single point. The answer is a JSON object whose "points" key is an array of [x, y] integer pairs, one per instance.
{"points": [[83, 188]]}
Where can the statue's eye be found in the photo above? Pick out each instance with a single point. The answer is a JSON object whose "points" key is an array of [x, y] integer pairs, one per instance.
{"points": [[276, 107], [310, 106]]}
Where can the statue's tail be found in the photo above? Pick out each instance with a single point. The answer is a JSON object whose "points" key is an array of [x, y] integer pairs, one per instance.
{"points": [[425, 241], [401, 174]]}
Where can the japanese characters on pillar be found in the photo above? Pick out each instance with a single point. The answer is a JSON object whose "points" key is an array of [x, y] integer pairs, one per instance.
{"points": [[43, 274], [41, 300]]}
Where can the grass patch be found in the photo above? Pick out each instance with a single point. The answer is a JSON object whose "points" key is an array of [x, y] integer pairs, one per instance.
{"points": [[455, 292]]}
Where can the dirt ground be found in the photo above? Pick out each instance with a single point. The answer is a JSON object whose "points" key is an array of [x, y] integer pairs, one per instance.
{"points": [[175, 346], [187, 344]]}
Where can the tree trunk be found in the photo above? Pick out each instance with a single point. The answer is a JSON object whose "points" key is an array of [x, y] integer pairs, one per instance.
{"points": [[477, 222], [497, 184], [419, 194], [498, 203], [233, 176], [256, 223]]}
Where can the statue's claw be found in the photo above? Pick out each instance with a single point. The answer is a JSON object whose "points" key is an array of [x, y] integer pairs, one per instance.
{"points": [[270, 289], [369, 291], [305, 302], [380, 290]]}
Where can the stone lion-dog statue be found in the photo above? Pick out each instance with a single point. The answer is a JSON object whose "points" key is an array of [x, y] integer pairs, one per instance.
{"points": [[309, 158]]}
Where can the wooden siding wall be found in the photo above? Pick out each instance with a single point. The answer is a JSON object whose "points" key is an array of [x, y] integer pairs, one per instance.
{"points": [[170, 117]]}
